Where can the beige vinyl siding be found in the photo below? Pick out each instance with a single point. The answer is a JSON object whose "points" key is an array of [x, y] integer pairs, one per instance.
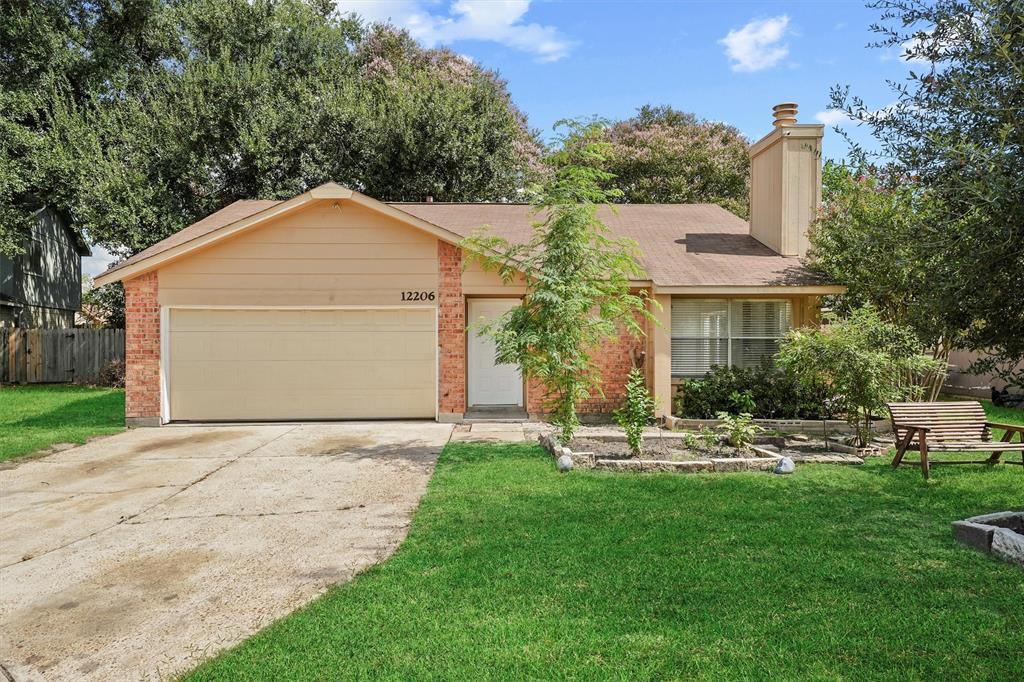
{"points": [[766, 197], [785, 187], [478, 282], [321, 255], [301, 364]]}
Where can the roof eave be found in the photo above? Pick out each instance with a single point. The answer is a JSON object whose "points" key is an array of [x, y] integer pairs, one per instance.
{"points": [[327, 191], [751, 289]]}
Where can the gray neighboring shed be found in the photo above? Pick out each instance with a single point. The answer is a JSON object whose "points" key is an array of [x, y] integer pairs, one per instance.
{"points": [[42, 287]]}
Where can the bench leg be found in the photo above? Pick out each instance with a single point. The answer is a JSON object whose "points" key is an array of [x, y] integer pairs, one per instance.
{"points": [[1007, 437], [924, 455], [902, 449]]}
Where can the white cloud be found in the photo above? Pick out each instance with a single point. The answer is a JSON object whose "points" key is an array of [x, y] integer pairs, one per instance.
{"points": [[758, 45], [98, 262], [499, 21], [830, 117]]}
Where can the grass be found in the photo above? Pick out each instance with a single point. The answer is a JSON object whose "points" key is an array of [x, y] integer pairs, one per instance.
{"points": [[513, 571], [39, 415]]}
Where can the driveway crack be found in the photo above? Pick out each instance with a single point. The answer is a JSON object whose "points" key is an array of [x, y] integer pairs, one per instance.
{"points": [[126, 519], [243, 515]]}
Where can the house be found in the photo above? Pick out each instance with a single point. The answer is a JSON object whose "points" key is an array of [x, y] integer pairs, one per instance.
{"points": [[334, 305], [42, 287]]}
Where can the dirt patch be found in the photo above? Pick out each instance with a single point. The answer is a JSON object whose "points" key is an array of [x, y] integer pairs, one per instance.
{"points": [[669, 449], [338, 445], [178, 441], [96, 609]]}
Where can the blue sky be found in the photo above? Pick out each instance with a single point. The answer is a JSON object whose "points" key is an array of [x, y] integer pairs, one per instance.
{"points": [[728, 61]]}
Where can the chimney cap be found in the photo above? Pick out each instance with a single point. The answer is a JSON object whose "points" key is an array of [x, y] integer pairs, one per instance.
{"points": [[430, 199], [784, 113]]}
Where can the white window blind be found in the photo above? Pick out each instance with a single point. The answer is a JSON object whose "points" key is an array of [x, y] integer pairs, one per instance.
{"points": [[708, 332]]}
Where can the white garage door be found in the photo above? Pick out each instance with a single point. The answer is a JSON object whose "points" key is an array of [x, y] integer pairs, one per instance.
{"points": [[301, 364]]}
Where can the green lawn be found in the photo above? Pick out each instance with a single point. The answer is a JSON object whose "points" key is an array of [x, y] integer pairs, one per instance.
{"points": [[36, 416], [513, 571]]}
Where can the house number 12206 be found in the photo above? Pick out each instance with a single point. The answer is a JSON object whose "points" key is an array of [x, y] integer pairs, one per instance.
{"points": [[418, 296]]}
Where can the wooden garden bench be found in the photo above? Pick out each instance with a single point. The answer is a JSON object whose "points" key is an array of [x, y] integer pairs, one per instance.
{"points": [[950, 427]]}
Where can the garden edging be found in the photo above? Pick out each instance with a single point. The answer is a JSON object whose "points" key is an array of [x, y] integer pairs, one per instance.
{"points": [[815, 426], [766, 462]]}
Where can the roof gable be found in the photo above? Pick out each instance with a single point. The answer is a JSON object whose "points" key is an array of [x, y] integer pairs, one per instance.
{"points": [[244, 215]]}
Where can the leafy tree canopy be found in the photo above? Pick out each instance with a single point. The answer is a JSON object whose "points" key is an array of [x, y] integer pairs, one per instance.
{"points": [[663, 155], [956, 131], [866, 237], [154, 114]]}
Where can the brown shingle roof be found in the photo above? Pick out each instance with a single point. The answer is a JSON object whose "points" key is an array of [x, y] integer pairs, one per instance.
{"points": [[682, 244]]}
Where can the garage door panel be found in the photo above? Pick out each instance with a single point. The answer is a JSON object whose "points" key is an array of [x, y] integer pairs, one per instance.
{"points": [[302, 364]]}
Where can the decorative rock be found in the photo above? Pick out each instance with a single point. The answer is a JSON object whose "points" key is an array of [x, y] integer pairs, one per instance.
{"points": [[1008, 545], [564, 463], [785, 466]]}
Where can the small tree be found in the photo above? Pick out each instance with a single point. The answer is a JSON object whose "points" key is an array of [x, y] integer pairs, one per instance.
{"points": [[865, 361], [637, 412], [577, 278]]}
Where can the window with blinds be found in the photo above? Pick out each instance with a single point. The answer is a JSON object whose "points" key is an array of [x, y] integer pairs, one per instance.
{"points": [[708, 332]]}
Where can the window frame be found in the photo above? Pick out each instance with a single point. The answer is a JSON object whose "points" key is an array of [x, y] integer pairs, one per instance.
{"points": [[729, 338]]}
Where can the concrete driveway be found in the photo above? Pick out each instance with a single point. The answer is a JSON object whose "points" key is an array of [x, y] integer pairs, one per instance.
{"points": [[137, 556]]}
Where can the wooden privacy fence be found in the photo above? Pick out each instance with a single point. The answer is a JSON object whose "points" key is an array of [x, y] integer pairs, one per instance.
{"points": [[36, 356]]}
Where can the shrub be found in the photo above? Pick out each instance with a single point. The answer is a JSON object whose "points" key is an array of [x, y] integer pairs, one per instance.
{"points": [[765, 391], [739, 429], [112, 374], [637, 411], [864, 360]]}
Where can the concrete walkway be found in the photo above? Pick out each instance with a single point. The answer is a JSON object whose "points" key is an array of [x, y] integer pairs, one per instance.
{"points": [[139, 555], [499, 432]]}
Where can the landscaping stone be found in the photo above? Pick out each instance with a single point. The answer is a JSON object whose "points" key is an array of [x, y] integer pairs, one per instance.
{"points": [[1008, 545], [727, 464], [1000, 534], [785, 466], [827, 459], [618, 464], [1006, 519], [975, 535], [564, 463]]}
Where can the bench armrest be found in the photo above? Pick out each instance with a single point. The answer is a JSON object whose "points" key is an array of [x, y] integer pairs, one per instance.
{"points": [[912, 427], [1005, 427]]}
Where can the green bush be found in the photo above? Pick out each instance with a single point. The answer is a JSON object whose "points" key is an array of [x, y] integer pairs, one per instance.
{"points": [[738, 428], [866, 361], [765, 391], [637, 412]]}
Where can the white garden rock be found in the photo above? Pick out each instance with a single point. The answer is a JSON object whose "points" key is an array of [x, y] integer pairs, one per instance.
{"points": [[785, 466]]}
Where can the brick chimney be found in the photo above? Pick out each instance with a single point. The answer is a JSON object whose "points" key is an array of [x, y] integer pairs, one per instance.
{"points": [[785, 182]]}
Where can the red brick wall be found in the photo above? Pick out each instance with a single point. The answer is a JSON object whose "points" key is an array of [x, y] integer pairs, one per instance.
{"points": [[142, 348], [614, 359], [451, 330]]}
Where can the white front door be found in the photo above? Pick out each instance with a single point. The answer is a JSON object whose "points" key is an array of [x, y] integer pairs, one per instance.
{"points": [[490, 383]]}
